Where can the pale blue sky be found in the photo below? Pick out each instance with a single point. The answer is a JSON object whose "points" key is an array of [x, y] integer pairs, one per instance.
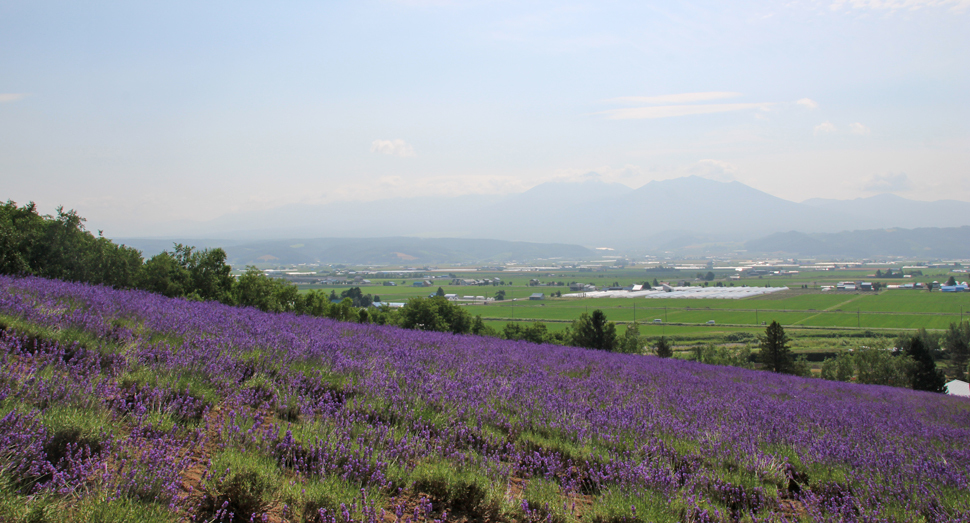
{"points": [[133, 112]]}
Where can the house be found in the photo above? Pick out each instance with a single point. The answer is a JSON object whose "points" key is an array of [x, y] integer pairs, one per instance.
{"points": [[958, 388], [954, 288], [537, 296], [866, 286], [389, 284]]}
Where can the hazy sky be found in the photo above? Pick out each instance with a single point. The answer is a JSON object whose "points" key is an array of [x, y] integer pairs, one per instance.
{"points": [[133, 112]]}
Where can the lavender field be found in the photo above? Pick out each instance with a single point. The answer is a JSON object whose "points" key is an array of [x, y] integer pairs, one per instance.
{"points": [[124, 405]]}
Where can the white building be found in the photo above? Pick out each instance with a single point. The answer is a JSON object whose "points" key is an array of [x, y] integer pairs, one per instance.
{"points": [[958, 388]]}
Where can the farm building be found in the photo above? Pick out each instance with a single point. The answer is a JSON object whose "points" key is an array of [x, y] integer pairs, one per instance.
{"points": [[958, 388], [390, 304], [538, 296]]}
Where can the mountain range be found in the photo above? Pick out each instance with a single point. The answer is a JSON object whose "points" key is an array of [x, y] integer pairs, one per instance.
{"points": [[926, 243], [396, 251], [680, 211]]}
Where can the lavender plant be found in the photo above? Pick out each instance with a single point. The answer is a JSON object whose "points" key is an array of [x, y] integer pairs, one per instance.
{"points": [[196, 404]]}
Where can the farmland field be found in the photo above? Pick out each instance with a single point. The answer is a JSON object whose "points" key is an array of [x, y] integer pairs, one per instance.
{"points": [[128, 406], [895, 310]]}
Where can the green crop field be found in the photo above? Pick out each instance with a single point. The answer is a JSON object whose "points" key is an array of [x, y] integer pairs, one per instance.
{"points": [[798, 308]]}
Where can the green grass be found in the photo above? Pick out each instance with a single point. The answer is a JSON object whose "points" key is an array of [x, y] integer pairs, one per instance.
{"points": [[17, 508]]}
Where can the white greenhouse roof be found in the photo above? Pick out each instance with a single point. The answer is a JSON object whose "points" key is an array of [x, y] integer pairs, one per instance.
{"points": [[716, 293]]}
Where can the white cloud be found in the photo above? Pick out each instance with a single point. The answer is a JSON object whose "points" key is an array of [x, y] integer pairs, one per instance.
{"points": [[898, 5], [889, 182], [11, 97], [858, 128], [825, 127], [630, 175], [676, 98], [808, 103], [714, 170], [667, 111], [392, 147]]}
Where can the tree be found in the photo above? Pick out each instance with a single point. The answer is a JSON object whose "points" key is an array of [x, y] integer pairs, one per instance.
{"points": [[535, 333], [211, 275], [839, 368], [956, 341], [512, 331], [774, 349], [254, 289], [878, 365], [479, 328], [631, 342], [358, 297], [59, 247], [440, 293], [500, 295], [925, 375], [951, 281], [435, 314], [709, 276], [594, 332], [163, 274], [663, 348]]}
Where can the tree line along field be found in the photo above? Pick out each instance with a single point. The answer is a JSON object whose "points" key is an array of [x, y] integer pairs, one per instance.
{"points": [[130, 406]]}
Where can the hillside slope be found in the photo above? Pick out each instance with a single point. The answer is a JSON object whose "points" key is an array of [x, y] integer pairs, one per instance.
{"points": [[126, 405]]}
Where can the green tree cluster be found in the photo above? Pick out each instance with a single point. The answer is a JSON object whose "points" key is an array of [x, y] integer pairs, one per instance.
{"points": [[435, 314], [714, 355], [59, 247], [908, 363]]}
